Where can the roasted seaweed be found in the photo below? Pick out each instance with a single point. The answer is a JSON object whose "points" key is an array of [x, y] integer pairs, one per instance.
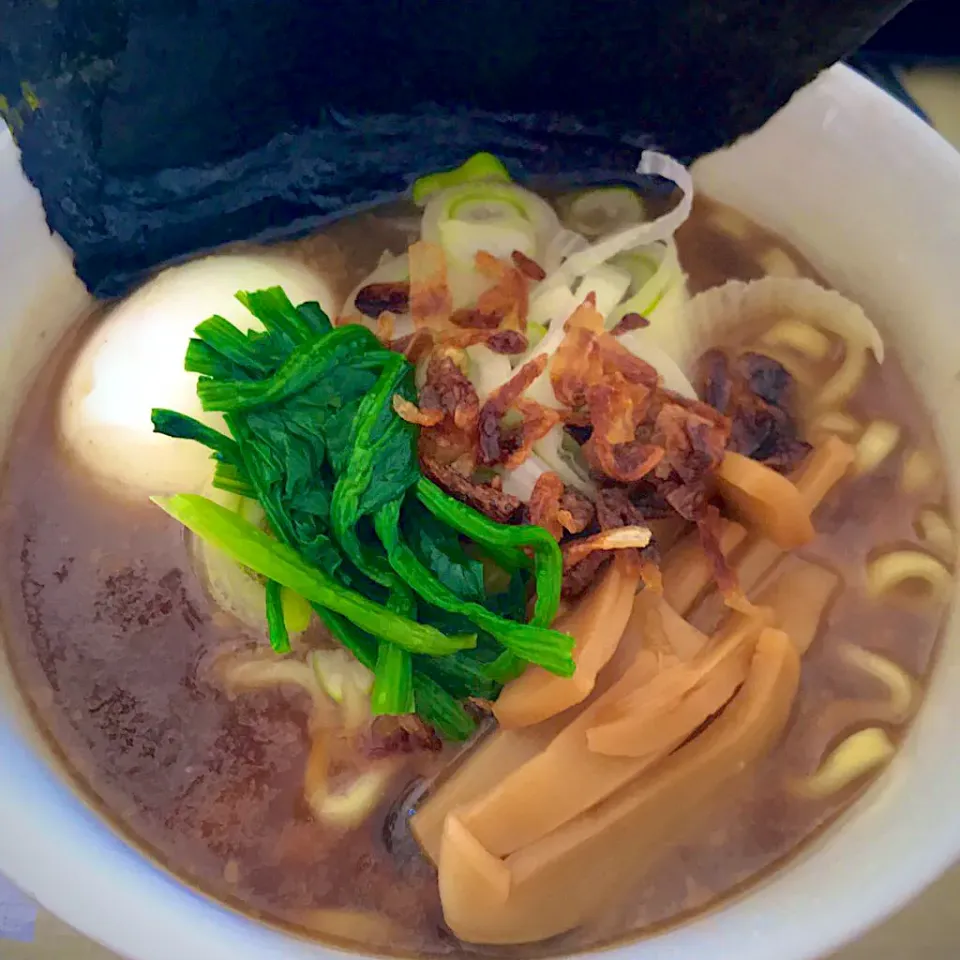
{"points": [[154, 130]]}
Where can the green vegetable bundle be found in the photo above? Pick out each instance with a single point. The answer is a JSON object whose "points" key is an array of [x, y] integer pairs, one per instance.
{"points": [[390, 563]]}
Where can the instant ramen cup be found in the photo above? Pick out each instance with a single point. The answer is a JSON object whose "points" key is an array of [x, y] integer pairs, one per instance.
{"points": [[871, 196]]}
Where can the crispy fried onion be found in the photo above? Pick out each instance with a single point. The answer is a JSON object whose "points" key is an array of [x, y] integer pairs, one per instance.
{"points": [[622, 538], [499, 506], [414, 346], [510, 443], [386, 323], [710, 528], [448, 392], [508, 298], [756, 392], [585, 557], [558, 508], [507, 342], [639, 430], [431, 302], [413, 414]]}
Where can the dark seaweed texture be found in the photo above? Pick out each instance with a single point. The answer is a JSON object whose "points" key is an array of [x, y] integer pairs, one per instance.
{"points": [[154, 130]]}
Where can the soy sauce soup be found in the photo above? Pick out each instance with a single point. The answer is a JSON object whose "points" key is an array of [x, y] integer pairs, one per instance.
{"points": [[119, 648]]}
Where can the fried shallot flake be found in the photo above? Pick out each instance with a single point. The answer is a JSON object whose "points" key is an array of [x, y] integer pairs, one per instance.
{"points": [[629, 322], [386, 323], [755, 392], [507, 342], [494, 447], [413, 414], [375, 298], [414, 346], [528, 266], [448, 390], [622, 538], [509, 297], [544, 506], [499, 506], [710, 530], [558, 508], [471, 318], [430, 300]]}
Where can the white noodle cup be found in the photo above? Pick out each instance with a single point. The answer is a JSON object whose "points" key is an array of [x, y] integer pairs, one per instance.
{"points": [[872, 197]]}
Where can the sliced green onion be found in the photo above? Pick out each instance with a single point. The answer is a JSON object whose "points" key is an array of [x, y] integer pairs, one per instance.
{"points": [[296, 611], [638, 235], [276, 624], [535, 334], [496, 217], [488, 370], [481, 166], [652, 271], [608, 284], [392, 682], [462, 240], [475, 206], [603, 210]]}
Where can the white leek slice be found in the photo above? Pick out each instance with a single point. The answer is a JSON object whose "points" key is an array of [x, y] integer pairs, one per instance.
{"points": [[564, 243], [655, 271], [521, 481], [237, 590], [562, 459], [390, 269], [608, 284], [550, 311], [552, 307], [605, 209], [488, 370]]}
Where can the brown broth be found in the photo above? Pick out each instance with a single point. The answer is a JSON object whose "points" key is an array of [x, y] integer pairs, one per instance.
{"points": [[111, 636]]}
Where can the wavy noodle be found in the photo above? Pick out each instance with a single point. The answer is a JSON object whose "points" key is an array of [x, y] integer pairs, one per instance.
{"points": [[937, 534], [901, 687], [858, 755], [879, 440], [919, 473], [896, 568]]}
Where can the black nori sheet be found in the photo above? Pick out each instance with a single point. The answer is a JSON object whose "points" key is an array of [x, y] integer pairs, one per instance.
{"points": [[157, 128]]}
